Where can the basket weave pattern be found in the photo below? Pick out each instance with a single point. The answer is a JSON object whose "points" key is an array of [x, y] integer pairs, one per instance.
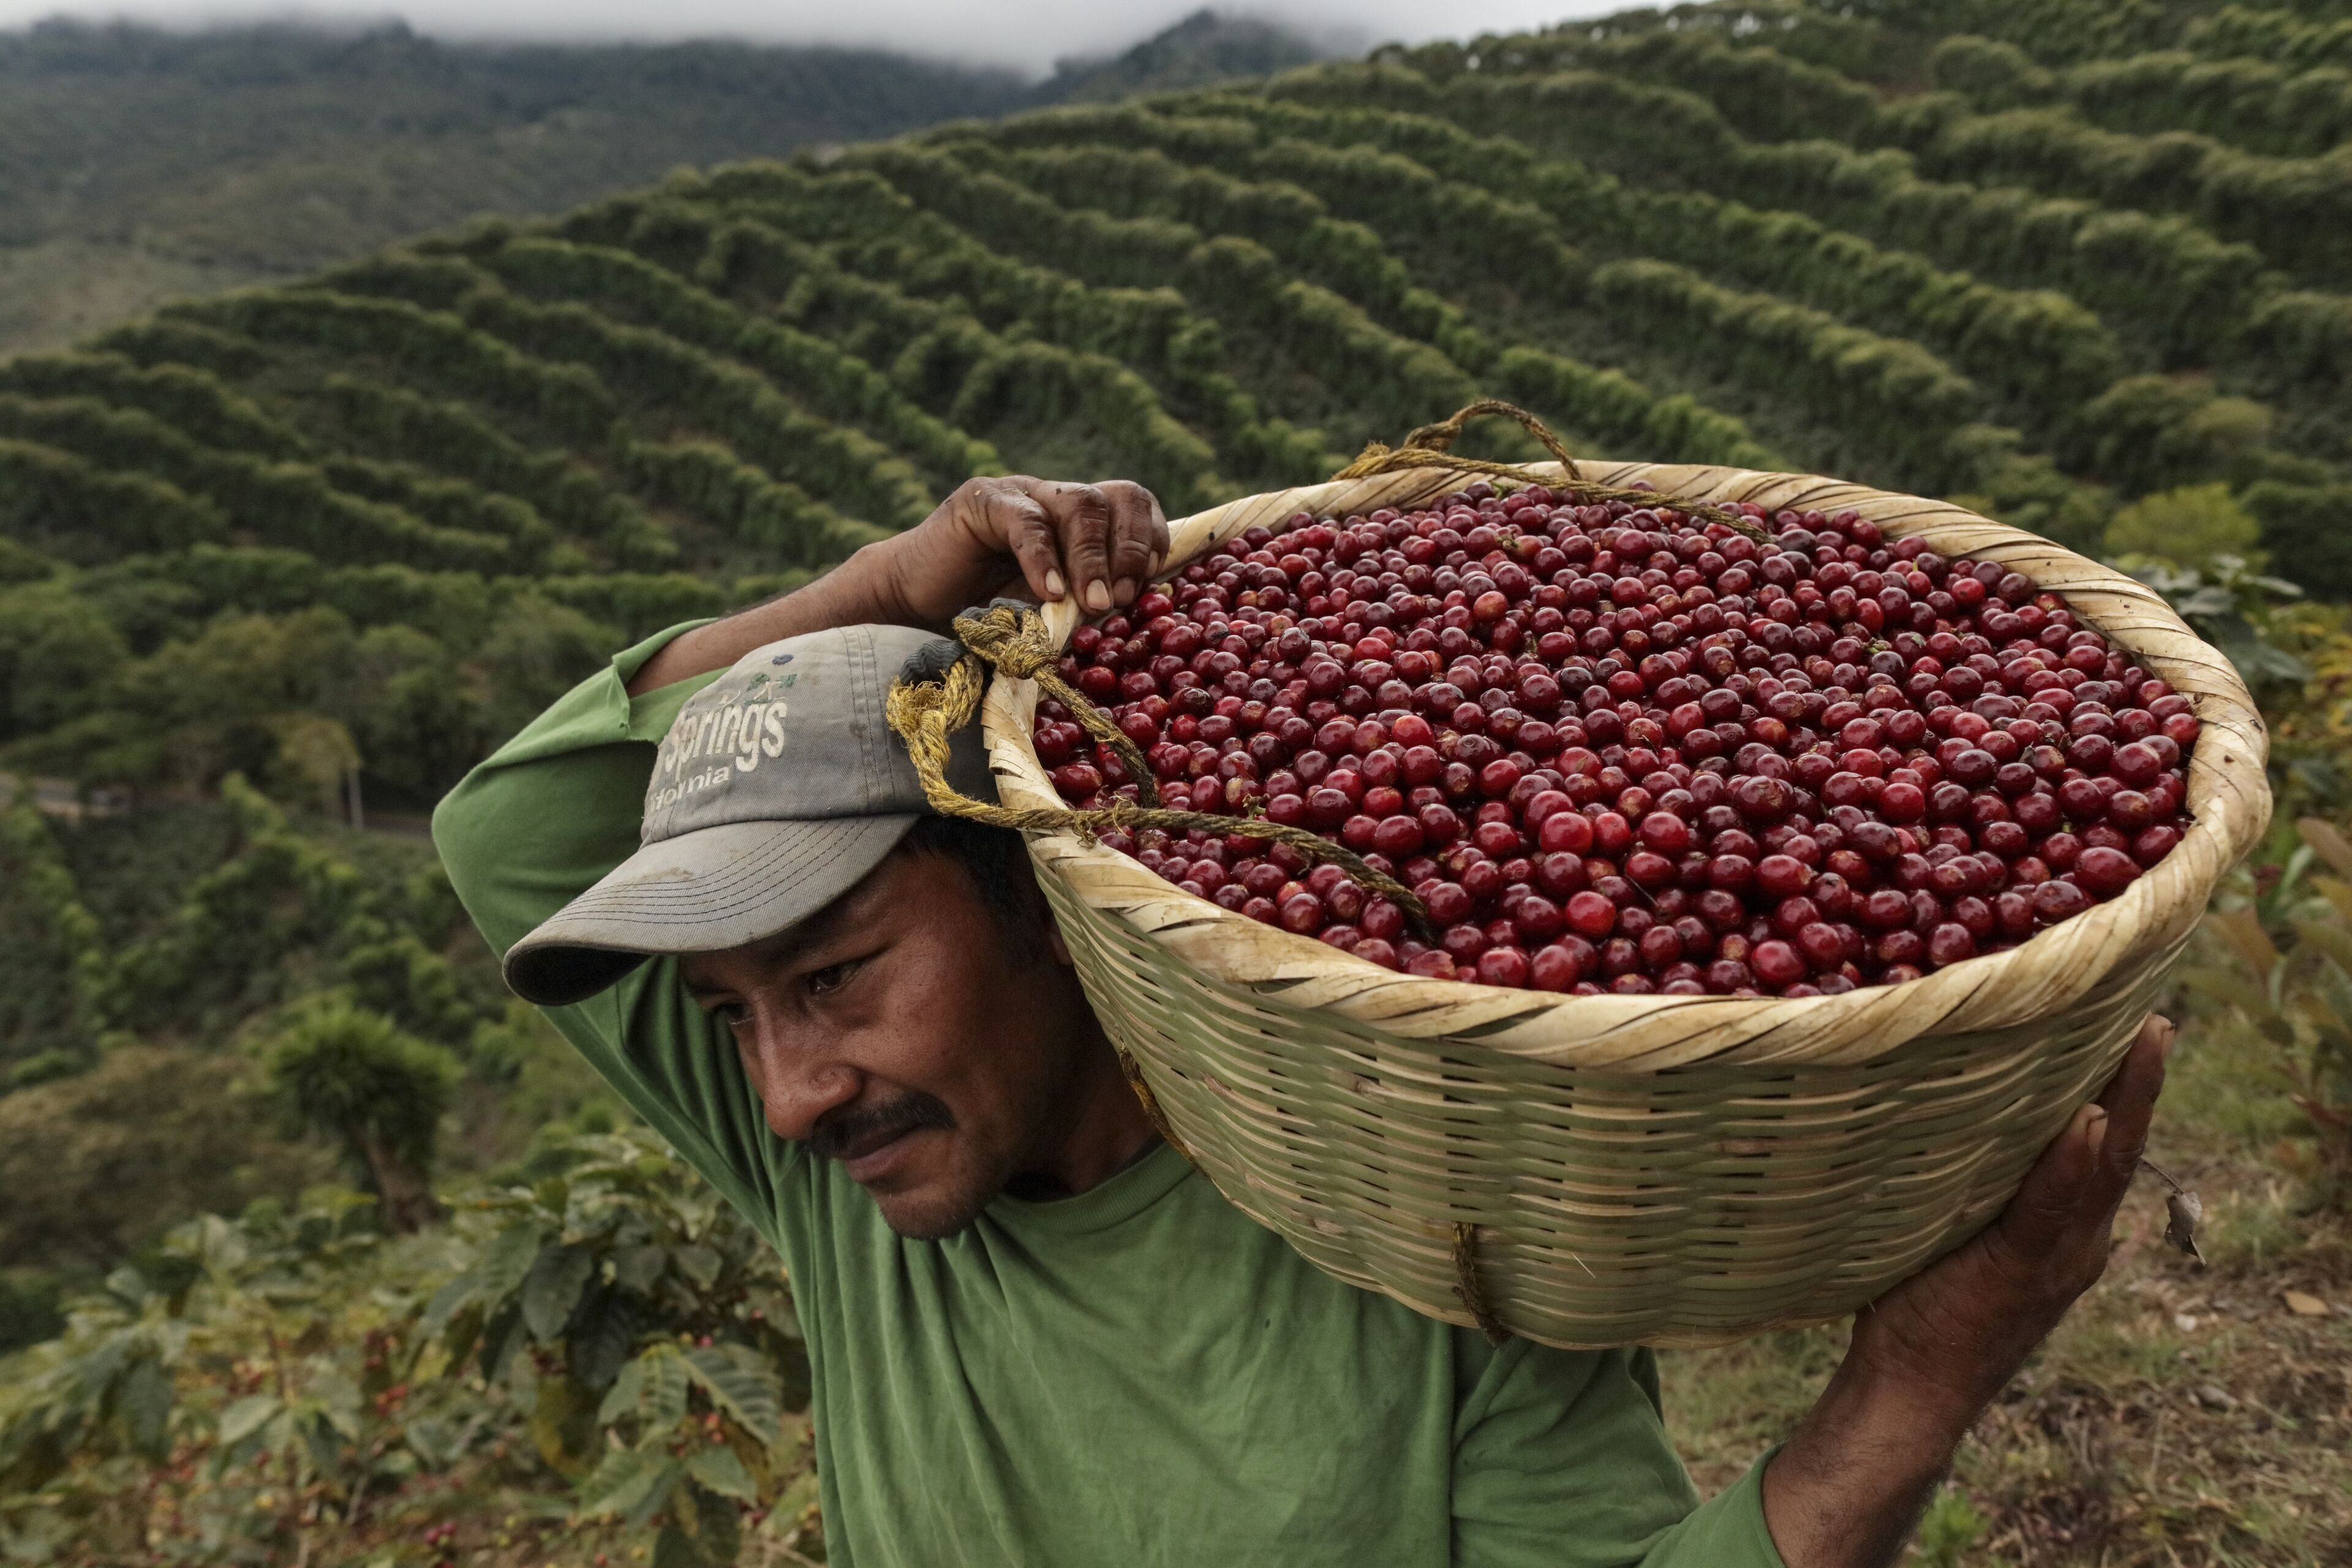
{"points": [[1654, 1170]]}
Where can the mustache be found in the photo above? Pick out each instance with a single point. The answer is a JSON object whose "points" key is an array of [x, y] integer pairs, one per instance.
{"points": [[845, 1135]]}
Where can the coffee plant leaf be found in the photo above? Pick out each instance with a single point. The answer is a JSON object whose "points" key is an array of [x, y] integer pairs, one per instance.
{"points": [[633, 1483], [247, 1417], [144, 1401], [552, 1287], [740, 1383], [722, 1471]]}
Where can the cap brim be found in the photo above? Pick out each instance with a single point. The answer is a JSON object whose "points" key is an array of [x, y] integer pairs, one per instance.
{"points": [[703, 891]]}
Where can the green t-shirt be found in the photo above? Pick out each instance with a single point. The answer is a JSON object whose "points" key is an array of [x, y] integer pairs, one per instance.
{"points": [[1138, 1374]]}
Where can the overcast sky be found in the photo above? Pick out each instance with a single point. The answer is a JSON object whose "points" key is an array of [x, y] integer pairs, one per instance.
{"points": [[1027, 34]]}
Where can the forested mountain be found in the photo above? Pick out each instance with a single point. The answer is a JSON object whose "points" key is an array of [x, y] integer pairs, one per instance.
{"points": [[137, 163], [2085, 265], [1202, 49]]}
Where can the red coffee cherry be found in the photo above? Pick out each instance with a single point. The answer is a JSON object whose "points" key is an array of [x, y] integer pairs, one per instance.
{"points": [[1847, 761]]}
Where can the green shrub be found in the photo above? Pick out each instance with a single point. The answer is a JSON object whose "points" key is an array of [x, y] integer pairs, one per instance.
{"points": [[2188, 527], [98, 1164], [350, 1074], [605, 1332]]}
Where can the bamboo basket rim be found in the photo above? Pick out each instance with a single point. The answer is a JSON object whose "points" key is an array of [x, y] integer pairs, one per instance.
{"points": [[2228, 799]]}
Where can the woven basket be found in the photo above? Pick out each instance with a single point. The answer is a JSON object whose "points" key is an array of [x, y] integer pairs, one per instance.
{"points": [[1618, 1169]]}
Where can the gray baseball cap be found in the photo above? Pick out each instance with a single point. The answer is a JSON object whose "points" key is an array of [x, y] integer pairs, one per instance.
{"points": [[780, 786]]}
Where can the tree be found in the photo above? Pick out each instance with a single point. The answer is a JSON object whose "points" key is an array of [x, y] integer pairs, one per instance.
{"points": [[95, 1165], [2186, 527], [355, 1077], [57, 651]]}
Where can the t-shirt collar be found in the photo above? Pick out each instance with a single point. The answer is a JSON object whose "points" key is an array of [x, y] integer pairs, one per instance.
{"points": [[1118, 1197]]}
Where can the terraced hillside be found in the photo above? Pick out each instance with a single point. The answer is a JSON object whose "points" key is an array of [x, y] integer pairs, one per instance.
{"points": [[2050, 256], [340, 537]]}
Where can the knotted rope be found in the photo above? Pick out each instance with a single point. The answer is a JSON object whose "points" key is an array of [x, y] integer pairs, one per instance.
{"points": [[1430, 447], [1016, 643], [926, 713], [1468, 1286]]}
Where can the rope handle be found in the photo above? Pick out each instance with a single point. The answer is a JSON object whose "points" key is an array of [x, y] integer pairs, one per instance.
{"points": [[1431, 447], [1016, 643]]}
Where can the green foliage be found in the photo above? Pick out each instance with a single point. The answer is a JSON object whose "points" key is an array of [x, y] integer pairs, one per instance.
{"points": [[2287, 36], [2233, 606], [1949, 1527], [1514, 212], [403, 424], [295, 502], [352, 1075], [2162, 276], [2292, 947], [1384, 380], [367, 522], [2186, 527], [1893, 393], [2305, 337], [2078, 264], [844, 386], [2292, 209], [53, 1009], [55, 648], [535, 1092], [937, 350], [29, 1308], [341, 536], [2255, 105], [2303, 524], [433, 345], [1623, 414], [612, 1329], [78, 510], [191, 399], [96, 1163], [279, 917]]}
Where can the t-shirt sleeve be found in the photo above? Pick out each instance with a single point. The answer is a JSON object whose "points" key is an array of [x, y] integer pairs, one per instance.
{"points": [[539, 821], [1561, 1460]]}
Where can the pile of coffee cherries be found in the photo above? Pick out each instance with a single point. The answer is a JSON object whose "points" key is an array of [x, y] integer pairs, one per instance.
{"points": [[1619, 748]]}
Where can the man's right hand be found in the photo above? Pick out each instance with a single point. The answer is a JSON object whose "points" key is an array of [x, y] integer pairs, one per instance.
{"points": [[1099, 543]]}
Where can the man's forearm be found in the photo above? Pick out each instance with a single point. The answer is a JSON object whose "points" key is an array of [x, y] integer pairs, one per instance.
{"points": [[1850, 1485], [1014, 534], [861, 591]]}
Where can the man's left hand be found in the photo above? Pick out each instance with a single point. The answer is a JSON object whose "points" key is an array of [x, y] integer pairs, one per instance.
{"points": [[1931, 1353]]}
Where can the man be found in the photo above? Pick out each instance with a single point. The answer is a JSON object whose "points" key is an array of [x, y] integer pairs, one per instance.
{"points": [[1036, 1335]]}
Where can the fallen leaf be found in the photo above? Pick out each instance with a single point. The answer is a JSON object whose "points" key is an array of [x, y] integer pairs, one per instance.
{"points": [[2182, 1211], [2326, 841], [2305, 1306]]}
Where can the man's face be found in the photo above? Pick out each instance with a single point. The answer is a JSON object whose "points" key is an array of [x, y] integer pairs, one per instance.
{"points": [[904, 1031]]}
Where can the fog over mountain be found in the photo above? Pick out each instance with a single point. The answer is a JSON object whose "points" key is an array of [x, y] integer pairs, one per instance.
{"points": [[138, 163], [1030, 35]]}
